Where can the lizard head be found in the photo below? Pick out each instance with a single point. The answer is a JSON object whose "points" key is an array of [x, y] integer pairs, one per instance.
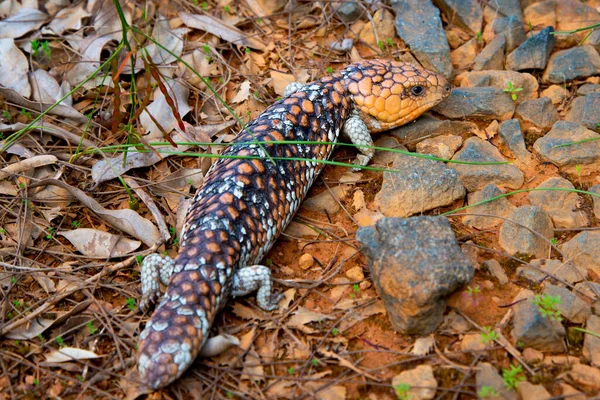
{"points": [[388, 94]]}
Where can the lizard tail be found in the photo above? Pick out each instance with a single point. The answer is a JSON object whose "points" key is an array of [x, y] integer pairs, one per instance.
{"points": [[179, 327]]}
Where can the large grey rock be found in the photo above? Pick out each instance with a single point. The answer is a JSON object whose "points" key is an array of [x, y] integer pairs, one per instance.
{"points": [[571, 306], [501, 79], [477, 102], [475, 177], [488, 376], [464, 13], [575, 63], [420, 185], [474, 216], [419, 25], [584, 250], [534, 330], [579, 158], [537, 116], [415, 264], [563, 207], [517, 232], [533, 53], [492, 55], [510, 133]]}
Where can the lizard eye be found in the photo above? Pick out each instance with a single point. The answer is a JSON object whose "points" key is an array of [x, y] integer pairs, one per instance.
{"points": [[417, 90]]}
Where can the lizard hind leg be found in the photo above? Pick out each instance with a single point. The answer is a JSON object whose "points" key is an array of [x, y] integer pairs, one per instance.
{"points": [[256, 277]]}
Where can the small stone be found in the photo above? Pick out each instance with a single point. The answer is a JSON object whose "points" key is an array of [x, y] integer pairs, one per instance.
{"points": [[488, 285], [466, 13], [511, 27], [477, 102], [422, 185], [456, 36], [454, 324], [496, 270], [492, 56], [504, 8], [569, 392], [530, 275], [462, 57], [326, 201], [500, 80], [383, 157], [571, 306], [488, 376], [591, 343], [565, 271], [568, 14], [382, 22], [533, 53], [428, 126], [584, 250], [585, 376], [590, 117], [512, 136], [537, 116], [472, 342], [517, 239], [532, 356], [553, 361], [443, 146], [543, 13], [421, 377], [366, 217], [567, 158], [563, 207], [306, 261], [596, 199], [419, 25], [557, 94], [348, 11], [475, 177], [414, 285], [355, 274], [588, 88], [575, 63], [575, 110], [533, 329], [364, 285], [529, 391], [295, 229], [358, 200]]}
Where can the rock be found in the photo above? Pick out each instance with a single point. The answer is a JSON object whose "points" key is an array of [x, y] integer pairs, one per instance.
{"points": [[530, 275], [511, 27], [543, 13], [464, 13], [512, 136], [326, 201], [589, 115], [553, 361], [569, 14], [348, 11], [596, 199], [504, 8], [475, 177], [563, 207], [472, 342], [557, 94], [500, 207], [492, 56], [454, 324], [496, 270], [584, 250], [567, 158], [537, 115], [575, 63], [571, 306], [488, 376], [529, 391], [295, 229], [591, 343], [588, 88], [428, 126], [443, 146], [517, 239], [355, 274], [535, 330], [532, 356], [462, 57], [306, 261], [457, 36], [415, 264], [575, 111], [419, 25], [382, 22], [477, 102], [533, 53], [569, 392], [565, 271], [422, 185], [386, 157], [585, 376], [500, 80], [421, 377]]}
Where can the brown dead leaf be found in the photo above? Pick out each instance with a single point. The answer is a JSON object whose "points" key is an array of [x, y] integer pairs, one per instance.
{"points": [[361, 314], [218, 28], [28, 331], [253, 369], [304, 316], [98, 244], [243, 93], [70, 354], [245, 312]]}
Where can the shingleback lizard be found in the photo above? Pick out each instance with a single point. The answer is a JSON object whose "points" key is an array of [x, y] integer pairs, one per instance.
{"points": [[244, 204]]}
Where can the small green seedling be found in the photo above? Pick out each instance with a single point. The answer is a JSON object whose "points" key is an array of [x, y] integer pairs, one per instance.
{"points": [[76, 224], [402, 390], [329, 70], [479, 37], [51, 232], [548, 306], [473, 290], [335, 331], [26, 114], [487, 392], [511, 377], [291, 370], [488, 335], [91, 328], [314, 362], [510, 89], [227, 9], [131, 303], [554, 241], [60, 341], [139, 259]]}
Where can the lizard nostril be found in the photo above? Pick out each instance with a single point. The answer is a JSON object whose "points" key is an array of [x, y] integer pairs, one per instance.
{"points": [[447, 89]]}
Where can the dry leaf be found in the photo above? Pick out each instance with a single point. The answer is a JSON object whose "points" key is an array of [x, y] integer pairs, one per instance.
{"points": [[13, 68], [70, 354], [220, 29], [253, 369], [107, 22], [66, 19], [422, 346], [30, 330], [95, 243], [168, 39], [162, 112], [89, 62], [46, 283], [243, 94], [245, 312], [280, 81], [303, 316], [24, 21], [216, 345], [46, 89]]}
